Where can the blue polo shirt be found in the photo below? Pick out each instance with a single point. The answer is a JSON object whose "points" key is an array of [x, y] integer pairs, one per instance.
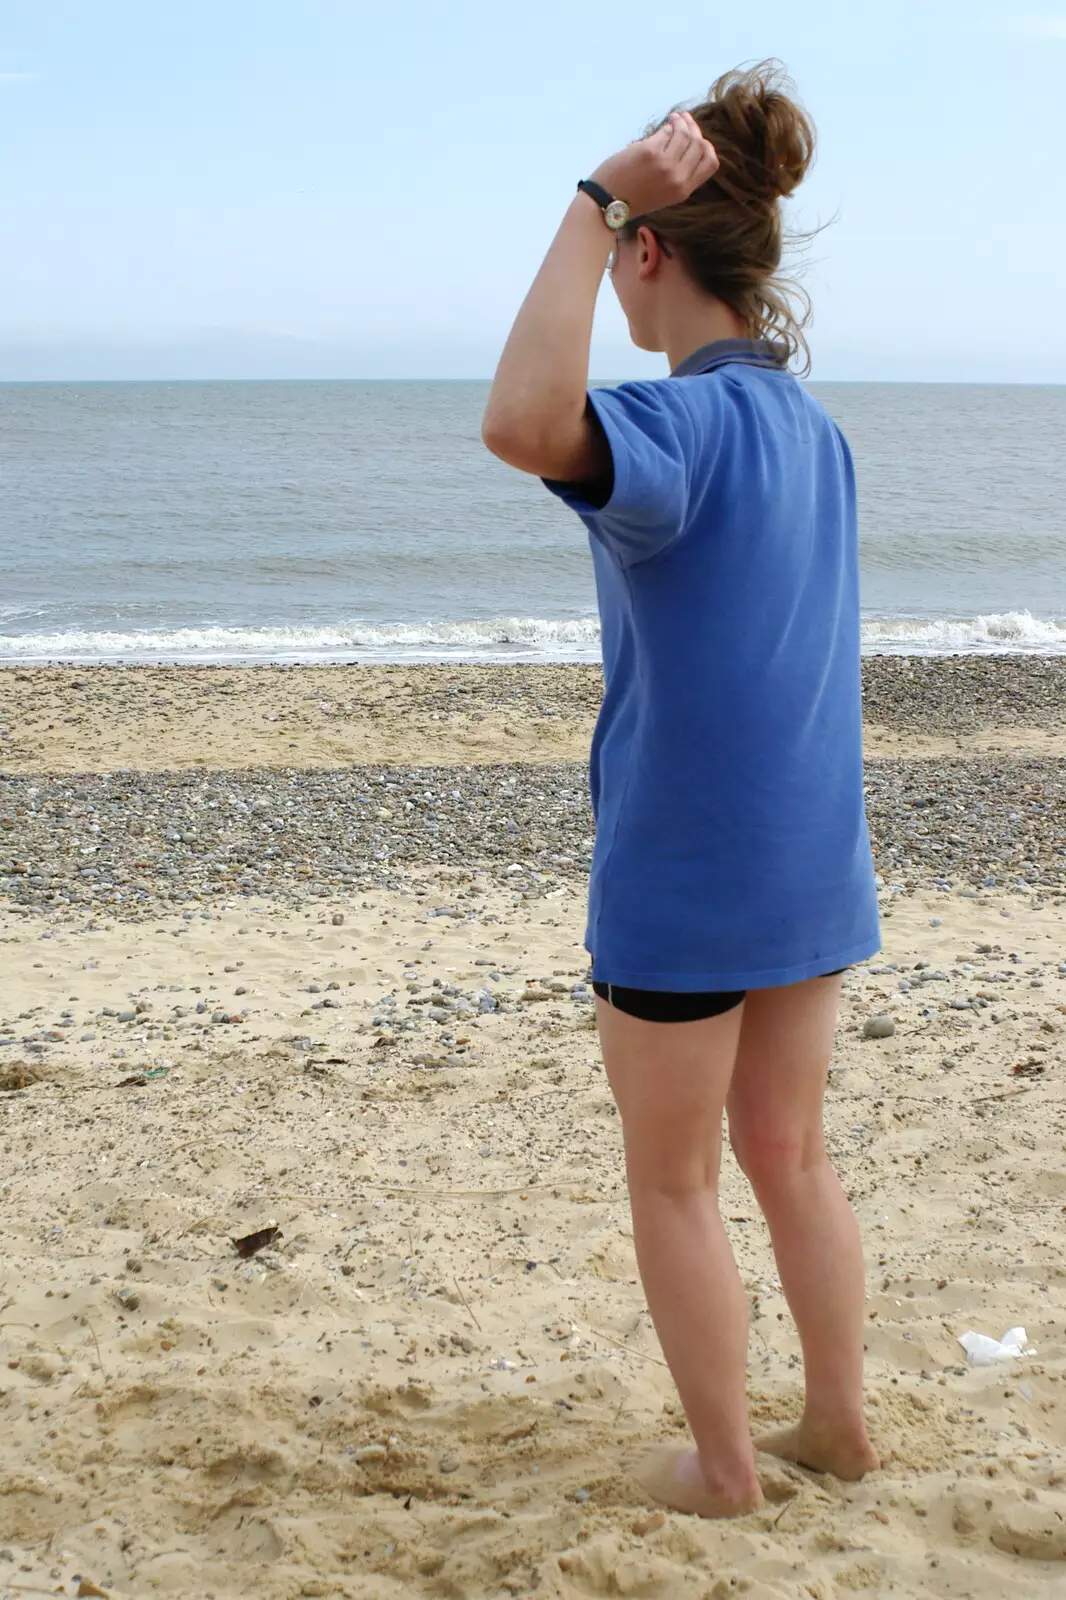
{"points": [[726, 771]]}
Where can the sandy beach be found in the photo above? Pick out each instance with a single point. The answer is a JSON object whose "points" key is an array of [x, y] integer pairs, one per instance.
{"points": [[299, 949]]}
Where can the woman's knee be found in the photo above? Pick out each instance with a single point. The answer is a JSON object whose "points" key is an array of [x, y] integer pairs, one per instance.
{"points": [[775, 1157], [671, 1168]]}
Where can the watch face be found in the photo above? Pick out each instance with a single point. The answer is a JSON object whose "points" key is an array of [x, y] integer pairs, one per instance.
{"points": [[616, 215]]}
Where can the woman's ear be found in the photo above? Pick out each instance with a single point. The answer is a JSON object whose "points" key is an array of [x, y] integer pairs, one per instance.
{"points": [[650, 254]]}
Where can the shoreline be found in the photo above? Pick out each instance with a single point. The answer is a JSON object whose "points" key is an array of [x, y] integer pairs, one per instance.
{"points": [[504, 640]]}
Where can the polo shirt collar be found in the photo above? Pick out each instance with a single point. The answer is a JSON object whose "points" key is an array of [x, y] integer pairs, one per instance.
{"points": [[749, 352]]}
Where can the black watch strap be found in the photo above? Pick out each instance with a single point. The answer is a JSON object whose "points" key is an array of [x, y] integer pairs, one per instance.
{"points": [[597, 192]]}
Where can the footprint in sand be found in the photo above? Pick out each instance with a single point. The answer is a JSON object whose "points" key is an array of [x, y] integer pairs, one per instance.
{"points": [[1034, 1529]]}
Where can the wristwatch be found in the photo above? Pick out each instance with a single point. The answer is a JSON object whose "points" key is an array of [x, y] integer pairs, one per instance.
{"points": [[615, 212]]}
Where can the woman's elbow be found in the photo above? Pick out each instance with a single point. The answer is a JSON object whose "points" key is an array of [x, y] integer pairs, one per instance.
{"points": [[541, 450], [512, 440], [497, 434]]}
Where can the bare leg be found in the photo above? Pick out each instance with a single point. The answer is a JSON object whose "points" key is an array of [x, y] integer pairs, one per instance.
{"points": [[670, 1082], [775, 1125]]}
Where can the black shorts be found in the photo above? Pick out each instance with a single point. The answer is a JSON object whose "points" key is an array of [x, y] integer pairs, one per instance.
{"points": [[666, 1005]]}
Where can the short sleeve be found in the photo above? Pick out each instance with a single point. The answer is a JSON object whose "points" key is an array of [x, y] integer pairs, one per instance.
{"points": [[654, 448]]}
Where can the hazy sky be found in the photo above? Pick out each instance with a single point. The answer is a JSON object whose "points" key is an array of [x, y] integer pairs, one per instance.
{"points": [[337, 187]]}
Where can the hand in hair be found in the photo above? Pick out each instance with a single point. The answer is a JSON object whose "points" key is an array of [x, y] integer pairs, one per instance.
{"points": [[662, 169], [538, 418]]}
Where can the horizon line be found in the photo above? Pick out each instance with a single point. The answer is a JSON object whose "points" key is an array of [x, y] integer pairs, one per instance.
{"points": [[957, 383]]}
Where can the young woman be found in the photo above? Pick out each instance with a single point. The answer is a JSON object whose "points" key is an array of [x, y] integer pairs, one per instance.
{"points": [[732, 879]]}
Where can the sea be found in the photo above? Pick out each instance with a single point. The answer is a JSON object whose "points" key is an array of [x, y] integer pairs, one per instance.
{"points": [[345, 521]]}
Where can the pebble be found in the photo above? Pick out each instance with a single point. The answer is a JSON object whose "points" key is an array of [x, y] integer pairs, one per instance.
{"points": [[960, 694], [881, 1027], [973, 822], [650, 1522]]}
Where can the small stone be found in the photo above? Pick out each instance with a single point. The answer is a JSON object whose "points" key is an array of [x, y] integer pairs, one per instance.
{"points": [[127, 1016], [649, 1523], [338, 919], [449, 1462], [881, 1027], [134, 1264], [128, 1299]]}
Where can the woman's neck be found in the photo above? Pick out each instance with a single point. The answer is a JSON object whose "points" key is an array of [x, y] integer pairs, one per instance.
{"points": [[692, 321]]}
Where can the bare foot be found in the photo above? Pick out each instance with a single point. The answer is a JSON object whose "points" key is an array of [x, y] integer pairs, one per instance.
{"points": [[845, 1456], [671, 1476]]}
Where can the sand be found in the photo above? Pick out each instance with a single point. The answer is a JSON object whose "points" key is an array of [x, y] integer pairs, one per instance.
{"points": [[429, 1382], [102, 719]]}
